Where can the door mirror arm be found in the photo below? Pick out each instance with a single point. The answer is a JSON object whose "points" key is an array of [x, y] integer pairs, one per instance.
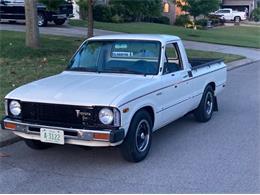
{"points": [[190, 73]]}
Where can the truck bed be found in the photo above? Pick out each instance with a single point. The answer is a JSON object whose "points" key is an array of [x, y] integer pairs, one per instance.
{"points": [[202, 62]]}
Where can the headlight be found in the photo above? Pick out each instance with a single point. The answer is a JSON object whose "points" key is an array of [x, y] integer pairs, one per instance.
{"points": [[15, 108], [106, 116]]}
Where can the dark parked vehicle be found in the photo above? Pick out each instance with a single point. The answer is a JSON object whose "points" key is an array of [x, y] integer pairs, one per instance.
{"points": [[14, 10]]}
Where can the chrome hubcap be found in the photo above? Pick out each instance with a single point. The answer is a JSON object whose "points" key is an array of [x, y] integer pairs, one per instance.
{"points": [[40, 20], [209, 103], [142, 135]]}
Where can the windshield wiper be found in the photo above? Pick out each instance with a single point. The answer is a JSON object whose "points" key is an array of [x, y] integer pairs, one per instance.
{"points": [[85, 69], [124, 70]]}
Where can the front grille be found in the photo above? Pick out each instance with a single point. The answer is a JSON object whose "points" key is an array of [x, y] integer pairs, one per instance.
{"points": [[61, 115]]}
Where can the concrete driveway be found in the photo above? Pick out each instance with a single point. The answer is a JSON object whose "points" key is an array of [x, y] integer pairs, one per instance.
{"points": [[221, 156]]}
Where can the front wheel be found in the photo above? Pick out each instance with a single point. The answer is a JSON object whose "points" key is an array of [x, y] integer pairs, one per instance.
{"points": [[42, 21], [206, 107], [138, 140], [59, 21], [37, 145]]}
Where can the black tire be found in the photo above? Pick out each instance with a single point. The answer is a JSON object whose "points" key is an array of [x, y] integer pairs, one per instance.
{"points": [[37, 145], [42, 20], [206, 107], [59, 21], [137, 143], [237, 19]]}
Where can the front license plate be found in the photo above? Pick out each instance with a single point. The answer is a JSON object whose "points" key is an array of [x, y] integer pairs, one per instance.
{"points": [[52, 136]]}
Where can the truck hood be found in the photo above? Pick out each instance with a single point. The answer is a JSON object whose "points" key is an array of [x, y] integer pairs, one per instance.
{"points": [[78, 88]]}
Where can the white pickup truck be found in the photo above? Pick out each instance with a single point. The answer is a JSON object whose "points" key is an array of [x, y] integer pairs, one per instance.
{"points": [[229, 14], [117, 90]]}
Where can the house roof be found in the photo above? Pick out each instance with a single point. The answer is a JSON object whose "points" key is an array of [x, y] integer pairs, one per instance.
{"points": [[148, 37]]}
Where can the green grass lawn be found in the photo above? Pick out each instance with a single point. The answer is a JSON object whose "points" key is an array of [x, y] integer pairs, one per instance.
{"points": [[20, 65], [234, 35]]}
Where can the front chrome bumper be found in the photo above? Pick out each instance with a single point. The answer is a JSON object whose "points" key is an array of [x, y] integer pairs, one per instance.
{"points": [[73, 136]]}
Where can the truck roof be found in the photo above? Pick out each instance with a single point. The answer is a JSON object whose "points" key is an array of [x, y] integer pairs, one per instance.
{"points": [[149, 37]]}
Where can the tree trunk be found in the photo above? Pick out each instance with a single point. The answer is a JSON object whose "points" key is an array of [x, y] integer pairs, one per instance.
{"points": [[90, 19], [32, 29]]}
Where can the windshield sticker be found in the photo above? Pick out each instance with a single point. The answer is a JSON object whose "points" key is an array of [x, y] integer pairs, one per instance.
{"points": [[121, 46], [122, 54]]}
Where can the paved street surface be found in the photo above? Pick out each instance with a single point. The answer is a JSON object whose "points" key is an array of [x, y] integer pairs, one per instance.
{"points": [[221, 156], [66, 30]]}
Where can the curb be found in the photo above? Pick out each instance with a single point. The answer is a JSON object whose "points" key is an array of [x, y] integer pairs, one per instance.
{"points": [[8, 137]]}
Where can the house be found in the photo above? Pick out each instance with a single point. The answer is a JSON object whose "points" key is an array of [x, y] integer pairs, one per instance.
{"points": [[171, 10]]}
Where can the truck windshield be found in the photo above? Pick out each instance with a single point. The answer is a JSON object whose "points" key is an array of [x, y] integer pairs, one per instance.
{"points": [[126, 57]]}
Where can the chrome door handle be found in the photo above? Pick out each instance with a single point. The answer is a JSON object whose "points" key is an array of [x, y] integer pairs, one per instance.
{"points": [[186, 76]]}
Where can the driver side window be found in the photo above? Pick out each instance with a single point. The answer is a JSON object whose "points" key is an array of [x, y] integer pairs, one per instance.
{"points": [[172, 59]]}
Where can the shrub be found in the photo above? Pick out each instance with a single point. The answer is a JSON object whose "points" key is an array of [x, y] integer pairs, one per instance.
{"points": [[162, 20], [52, 5], [136, 10], [255, 15], [83, 8], [117, 19], [182, 20], [102, 13], [202, 22]]}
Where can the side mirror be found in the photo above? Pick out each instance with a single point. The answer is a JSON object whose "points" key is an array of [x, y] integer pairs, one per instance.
{"points": [[190, 73]]}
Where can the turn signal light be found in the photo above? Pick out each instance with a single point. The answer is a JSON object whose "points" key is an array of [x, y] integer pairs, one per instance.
{"points": [[101, 136], [11, 126]]}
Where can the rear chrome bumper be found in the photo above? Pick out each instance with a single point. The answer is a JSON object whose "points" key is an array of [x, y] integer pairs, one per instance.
{"points": [[73, 136]]}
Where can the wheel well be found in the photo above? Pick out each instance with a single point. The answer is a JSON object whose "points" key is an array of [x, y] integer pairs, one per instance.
{"points": [[213, 85], [148, 109]]}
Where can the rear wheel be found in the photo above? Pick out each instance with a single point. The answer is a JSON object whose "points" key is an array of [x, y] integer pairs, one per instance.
{"points": [[237, 19], [59, 21], [206, 107], [42, 21], [37, 145], [138, 140]]}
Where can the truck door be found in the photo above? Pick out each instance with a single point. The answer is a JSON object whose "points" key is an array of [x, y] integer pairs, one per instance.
{"points": [[6, 9], [10, 9], [227, 14], [174, 95], [19, 9]]}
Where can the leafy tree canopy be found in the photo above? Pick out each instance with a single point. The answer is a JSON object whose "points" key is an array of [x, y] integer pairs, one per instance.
{"points": [[199, 7]]}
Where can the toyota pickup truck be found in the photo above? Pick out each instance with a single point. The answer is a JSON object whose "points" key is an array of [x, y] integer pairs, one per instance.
{"points": [[230, 15], [116, 90]]}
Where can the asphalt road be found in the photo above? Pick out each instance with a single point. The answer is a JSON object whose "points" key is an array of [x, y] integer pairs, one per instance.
{"points": [[221, 156]]}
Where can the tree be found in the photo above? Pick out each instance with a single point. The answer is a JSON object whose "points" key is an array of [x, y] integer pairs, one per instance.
{"points": [[90, 19], [86, 8], [198, 7], [32, 29]]}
